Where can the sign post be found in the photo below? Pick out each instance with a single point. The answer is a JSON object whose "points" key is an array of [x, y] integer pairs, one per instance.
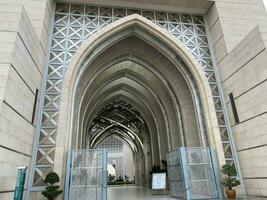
{"points": [[20, 183], [159, 183]]}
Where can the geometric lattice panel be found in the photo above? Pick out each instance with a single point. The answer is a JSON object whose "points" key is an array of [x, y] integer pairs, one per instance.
{"points": [[75, 23], [114, 148]]}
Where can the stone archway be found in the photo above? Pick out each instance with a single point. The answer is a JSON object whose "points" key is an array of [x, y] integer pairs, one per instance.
{"points": [[180, 62]]}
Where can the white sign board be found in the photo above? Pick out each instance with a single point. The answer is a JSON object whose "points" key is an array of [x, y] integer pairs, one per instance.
{"points": [[159, 181]]}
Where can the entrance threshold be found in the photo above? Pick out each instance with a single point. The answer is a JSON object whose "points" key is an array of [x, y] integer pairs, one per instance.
{"points": [[133, 193]]}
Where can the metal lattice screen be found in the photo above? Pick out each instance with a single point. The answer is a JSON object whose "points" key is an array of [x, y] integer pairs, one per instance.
{"points": [[75, 23], [114, 147], [175, 175], [88, 177], [193, 174], [201, 179]]}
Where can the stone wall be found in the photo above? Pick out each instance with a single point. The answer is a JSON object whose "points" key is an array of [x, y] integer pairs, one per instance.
{"points": [[39, 13], [238, 36], [244, 73], [21, 71], [230, 21]]}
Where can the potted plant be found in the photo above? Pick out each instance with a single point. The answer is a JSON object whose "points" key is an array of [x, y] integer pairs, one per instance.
{"points": [[51, 191], [230, 180]]}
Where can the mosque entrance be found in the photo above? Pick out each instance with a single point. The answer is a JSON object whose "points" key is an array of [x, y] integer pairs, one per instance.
{"points": [[118, 138], [138, 93], [192, 174]]}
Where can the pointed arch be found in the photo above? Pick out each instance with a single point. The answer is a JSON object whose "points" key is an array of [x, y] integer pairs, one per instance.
{"points": [[108, 36]]}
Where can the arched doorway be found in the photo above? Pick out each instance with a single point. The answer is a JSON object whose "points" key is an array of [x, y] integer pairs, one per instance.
{"points": [[134, 61], [121, 129]]}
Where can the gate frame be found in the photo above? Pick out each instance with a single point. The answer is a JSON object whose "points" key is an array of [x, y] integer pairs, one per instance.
{"points": [[184, 172], [214, 168], [68, 179]]}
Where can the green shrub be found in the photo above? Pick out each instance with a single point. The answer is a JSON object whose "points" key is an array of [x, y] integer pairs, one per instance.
{"points": [[51, 191], [230, 180]]}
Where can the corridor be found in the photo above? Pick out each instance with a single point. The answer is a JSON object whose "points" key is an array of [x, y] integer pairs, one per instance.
{"points": [[133, 193]]}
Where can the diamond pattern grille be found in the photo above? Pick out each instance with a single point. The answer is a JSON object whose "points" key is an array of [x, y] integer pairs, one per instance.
{"points": [[75, 23]]}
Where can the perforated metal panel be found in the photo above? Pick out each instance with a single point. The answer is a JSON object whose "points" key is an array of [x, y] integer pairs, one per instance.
{"points": [[114, 147], [75, 23], [88, 175], [198, 169], [193, 174], [175, 174]]}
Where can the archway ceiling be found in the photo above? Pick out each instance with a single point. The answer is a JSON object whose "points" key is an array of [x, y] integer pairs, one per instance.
{"points": [[155, 79], [124, 84], [117, 115], [153, 65], [125, 87], [131, 96], [134, 66], [122, 134], [121, 114]]}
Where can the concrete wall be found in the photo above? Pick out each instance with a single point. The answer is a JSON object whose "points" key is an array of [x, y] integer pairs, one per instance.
{"points": [[21, 69], [238, 36]]}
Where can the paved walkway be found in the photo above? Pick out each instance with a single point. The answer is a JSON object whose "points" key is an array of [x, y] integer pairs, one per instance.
{"points": [[133, 193], [137, 193], [252, 198]]}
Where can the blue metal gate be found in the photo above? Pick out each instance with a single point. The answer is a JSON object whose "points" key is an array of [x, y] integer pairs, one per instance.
{"points": [[88, 175], [193, 173]]}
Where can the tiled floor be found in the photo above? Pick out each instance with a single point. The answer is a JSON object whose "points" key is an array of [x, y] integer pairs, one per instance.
{"points": [[137, 193], [133, 193], [252, 198]]}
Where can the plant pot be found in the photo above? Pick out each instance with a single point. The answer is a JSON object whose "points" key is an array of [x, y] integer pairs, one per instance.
{"points": [[231, 194]]}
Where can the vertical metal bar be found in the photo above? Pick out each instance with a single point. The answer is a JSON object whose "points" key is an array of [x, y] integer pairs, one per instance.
{"points": [[215, 169], [99, 155], [181, 170], [68, 176], [187, 189], [104, 175]]}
